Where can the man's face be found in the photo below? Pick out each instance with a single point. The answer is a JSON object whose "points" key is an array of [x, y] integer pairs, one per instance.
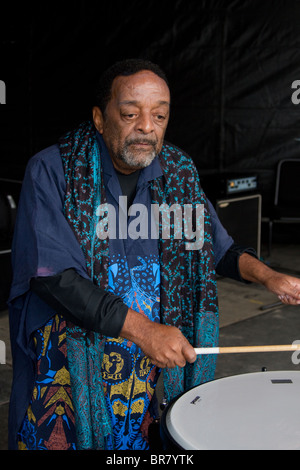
{"points": [[135, 120]]}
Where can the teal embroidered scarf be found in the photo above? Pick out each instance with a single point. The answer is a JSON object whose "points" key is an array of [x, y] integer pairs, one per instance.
{"points": [[188, 283]]}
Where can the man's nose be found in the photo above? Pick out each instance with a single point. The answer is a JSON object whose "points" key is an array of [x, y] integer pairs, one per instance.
{"points": [[145, 123]]}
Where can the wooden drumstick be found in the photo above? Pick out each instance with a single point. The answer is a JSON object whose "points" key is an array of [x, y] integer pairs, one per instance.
{"points": [[248, 349]]}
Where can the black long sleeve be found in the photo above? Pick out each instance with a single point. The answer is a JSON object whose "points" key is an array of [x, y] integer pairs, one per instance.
{"points": [[228, 266], [81, 302]]}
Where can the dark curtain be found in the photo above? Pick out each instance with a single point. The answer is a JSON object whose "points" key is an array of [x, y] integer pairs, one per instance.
{"points": [[230, 64]]}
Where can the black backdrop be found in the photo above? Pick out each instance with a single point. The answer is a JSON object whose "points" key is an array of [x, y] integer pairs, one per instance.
{"points": [[230, 64]]}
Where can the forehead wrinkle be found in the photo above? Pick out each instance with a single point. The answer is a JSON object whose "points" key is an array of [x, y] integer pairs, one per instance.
{"points": [[140, 86], [136, 103]]}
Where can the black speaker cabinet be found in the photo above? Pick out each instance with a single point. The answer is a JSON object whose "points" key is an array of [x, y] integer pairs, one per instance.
{"points": [[241, 216]]}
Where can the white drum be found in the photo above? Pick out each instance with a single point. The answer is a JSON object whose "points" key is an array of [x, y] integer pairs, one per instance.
{"points": [[243, 412]]}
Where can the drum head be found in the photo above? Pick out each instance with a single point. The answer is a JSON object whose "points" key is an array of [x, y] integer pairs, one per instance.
{"points": [[250, 411]]}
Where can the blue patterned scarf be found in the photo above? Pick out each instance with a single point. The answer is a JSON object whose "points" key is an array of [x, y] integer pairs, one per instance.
{"points": [[188, 284]]}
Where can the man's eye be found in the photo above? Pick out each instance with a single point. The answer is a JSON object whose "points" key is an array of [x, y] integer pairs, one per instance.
{"points": [[129, 116]]}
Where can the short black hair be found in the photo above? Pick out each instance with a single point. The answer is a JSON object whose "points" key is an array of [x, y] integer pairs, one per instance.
{"points": [[122, 68]]}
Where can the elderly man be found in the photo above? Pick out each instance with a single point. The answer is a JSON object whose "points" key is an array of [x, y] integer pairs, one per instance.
{"points": [[97, 308]]}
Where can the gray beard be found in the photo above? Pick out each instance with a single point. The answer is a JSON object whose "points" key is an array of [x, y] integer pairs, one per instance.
{"points": [[138, 160]]}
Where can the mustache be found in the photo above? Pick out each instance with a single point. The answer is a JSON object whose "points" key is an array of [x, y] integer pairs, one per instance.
{"points": [[141, 141]]}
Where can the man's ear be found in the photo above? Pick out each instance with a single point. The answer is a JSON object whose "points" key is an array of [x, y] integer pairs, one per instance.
{"points": [[98, 119]]}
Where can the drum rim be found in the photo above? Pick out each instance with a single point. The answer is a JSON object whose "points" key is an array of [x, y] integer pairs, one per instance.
{"points": [[164, 432]]}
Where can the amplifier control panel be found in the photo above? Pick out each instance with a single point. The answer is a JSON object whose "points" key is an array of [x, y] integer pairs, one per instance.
{"points": [[237, 185]]}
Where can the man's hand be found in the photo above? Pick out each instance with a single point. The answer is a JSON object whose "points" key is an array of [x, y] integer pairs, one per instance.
{"points": [[164, 345], [287, 288]]}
